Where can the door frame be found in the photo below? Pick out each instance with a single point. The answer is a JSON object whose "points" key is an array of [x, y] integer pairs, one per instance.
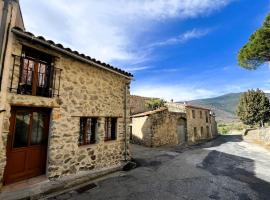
{"points": [[10, 136], [185, 128]]}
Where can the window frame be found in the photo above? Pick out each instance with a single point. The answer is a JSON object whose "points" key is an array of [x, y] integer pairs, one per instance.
{"points": [[206, 117], [193, 114], [36, 73], [195, 131], [109, 135], [83, 131], [202, 131], [208, 131]]}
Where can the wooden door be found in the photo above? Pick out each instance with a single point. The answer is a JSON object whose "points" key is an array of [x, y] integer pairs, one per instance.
{"points": [[181, 131], [27, 144]]}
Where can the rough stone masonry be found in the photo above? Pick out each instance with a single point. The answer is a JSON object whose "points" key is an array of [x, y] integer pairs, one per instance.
{"points": [[86, 90]]}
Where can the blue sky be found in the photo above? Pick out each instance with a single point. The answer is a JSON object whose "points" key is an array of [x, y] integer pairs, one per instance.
{"points": [[176, 49]]}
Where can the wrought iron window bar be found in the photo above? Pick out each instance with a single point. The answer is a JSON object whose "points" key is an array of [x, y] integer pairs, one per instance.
{"points": [[39, 79]]}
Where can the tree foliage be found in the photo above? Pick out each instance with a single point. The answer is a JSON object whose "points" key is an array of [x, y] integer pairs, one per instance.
{"points": [[257, 51], [155, 103], [253, 107]]}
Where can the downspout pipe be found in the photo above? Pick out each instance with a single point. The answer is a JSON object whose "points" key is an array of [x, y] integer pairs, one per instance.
{"points": [[125, 121], [2, 37]]}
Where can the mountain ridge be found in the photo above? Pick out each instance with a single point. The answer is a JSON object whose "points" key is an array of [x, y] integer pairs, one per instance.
{"points": [[224, 106]]}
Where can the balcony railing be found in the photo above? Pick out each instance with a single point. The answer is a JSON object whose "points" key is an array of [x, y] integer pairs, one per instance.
{"points": [[31, 76]]}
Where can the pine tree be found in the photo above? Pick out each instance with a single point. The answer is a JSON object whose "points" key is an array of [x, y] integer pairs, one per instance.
{"points": [[257, 51]]}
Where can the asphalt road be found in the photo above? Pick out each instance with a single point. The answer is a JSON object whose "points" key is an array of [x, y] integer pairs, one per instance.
{"points": [[226, 168]]}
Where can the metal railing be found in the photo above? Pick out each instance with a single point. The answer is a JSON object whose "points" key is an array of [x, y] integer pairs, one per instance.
{"points": [[30, 76]]}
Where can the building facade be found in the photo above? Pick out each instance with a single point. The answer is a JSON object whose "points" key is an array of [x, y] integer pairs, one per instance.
{"points": [[159, 127], [61, 112], [174, 124], [201, 124]]}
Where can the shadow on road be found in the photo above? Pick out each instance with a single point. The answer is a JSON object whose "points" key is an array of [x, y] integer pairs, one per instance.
{"points": [[237, 168], [223, 139]]}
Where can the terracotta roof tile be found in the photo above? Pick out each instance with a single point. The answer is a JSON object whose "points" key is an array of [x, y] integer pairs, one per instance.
{"points": [[50, 42], [150, 112]]}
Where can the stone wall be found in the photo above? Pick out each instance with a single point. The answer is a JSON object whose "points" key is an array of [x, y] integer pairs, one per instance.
{"points": [[138, 104], [142, 130], [157, 129], [164, 125], [85, 91], [214, 129], [261, 135], [3, 92], [164, 128], [200, 124], [176, 107]]}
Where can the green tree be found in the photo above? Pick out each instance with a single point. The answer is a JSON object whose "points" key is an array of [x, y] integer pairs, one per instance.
{"points": [[253, 108], [155, 103], [257, 51]]}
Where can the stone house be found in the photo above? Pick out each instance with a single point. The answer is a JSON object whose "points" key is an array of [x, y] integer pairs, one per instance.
{"points": [[174, 124], [61, 112], [159, 127], [201, 123]]}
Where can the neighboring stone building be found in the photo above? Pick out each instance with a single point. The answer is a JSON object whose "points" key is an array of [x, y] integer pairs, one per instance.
{"points": [[201, 124], [61, 112], [159, 127], [174, 124], [138, 104]]}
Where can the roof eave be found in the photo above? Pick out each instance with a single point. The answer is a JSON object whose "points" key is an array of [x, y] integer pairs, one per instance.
{"points": [[27, 36]]}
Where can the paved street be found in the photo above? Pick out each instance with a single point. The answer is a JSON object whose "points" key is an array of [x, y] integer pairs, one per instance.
{"points": [[226, 168]]}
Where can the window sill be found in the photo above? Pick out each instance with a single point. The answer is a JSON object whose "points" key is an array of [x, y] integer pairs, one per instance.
{"points": [[110, 141], [87, 145]]}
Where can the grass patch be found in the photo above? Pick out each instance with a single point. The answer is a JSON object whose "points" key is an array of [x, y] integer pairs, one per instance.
{"points": [[226, 128]]}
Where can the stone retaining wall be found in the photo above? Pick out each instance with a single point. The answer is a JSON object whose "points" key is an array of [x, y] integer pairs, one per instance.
{"points": [[262, 135]]}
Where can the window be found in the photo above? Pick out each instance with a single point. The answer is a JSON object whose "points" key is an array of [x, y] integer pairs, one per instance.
{"points": [[30, 127], [200, 114], [110, 128], [208, 131], [195, 131], [130, 132], [201, 131], [193, 114], [36, 75], [206, 116], [88, 129]]}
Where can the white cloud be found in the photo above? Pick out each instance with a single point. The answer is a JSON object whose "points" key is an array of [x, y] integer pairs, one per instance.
{"points": [[107, 29], [182, 38], [135, 69], [175, 92]]}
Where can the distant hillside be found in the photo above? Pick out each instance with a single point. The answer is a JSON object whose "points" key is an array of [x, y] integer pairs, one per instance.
{"points": [[224, 106]]}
